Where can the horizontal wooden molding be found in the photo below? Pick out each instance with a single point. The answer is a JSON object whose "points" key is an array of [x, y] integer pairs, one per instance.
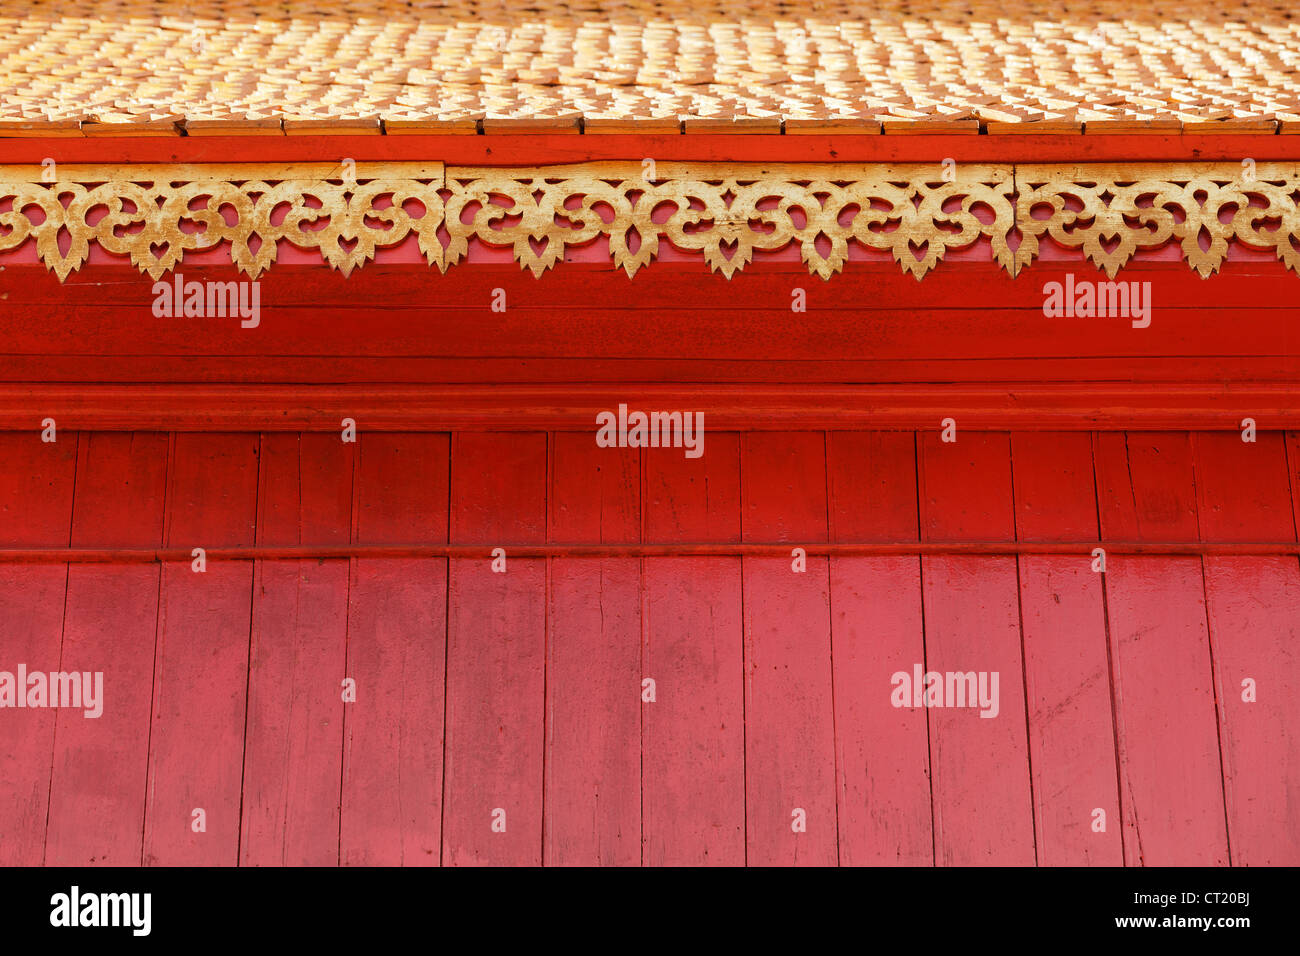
{"points": [[1086, 406], [154, 214], [1082, 549]]}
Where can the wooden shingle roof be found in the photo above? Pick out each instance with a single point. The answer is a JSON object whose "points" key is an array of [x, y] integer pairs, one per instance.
{"points": [[304, 65]]}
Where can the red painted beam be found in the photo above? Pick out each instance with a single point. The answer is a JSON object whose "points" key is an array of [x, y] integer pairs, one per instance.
{"points": [[1030, 407], [1082, 549], [404, 323], [514, 149]]}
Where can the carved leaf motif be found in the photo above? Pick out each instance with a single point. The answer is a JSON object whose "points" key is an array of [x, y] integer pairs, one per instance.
{"points": [[725, 212]]}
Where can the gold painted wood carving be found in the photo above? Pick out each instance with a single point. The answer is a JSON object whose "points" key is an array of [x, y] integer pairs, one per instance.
{"points": [[726, 212], [1110, 212], [155, 214]]}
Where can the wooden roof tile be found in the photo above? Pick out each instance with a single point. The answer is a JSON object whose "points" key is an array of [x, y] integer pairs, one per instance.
{"points": [[911, 65]]}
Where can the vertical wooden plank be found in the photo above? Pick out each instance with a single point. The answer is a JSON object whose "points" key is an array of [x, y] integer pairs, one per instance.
{"points": [[36, 499], [789, 713], [1243, 494], [882, 751], [983, 812], [1293, 472], [294, 751], [496, 653], [397, 635], [593, 666], [98, 789], [200, 681], [693, 753], [1170, 779], [1067, 667]]}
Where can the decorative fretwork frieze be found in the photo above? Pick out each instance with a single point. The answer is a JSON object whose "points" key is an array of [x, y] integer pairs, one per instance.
{"points": [[726, 212], [1112, 211]]}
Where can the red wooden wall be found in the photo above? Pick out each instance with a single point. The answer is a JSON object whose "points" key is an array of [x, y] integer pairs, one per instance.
{"points": [[522, 691], [397, 320]]}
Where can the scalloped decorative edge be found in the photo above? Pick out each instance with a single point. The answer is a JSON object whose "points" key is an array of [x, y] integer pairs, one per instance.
{"points": [[155, 214]]}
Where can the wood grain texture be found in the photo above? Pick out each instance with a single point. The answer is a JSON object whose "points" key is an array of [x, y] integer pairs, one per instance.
{"points": [[296, 658], [581, 323], [693, 735], [201, 668], [98, 805], [397, 654], [549, 147], [496, 655], [1171, 782], [983, 812], [532, 327], [882, 751], [521, 691], [36, 502], [1243, 491], [789, 707], [1067, 665], [581, 286], [593, 665]]}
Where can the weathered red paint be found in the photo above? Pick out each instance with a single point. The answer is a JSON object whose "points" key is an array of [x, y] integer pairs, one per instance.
{"points": [[496, 655], [693, 736], [517, 698], [100, 792], [292, 760], [37, 507], [594, 631], [396, 633], [398, 346], [1169, 756], [534, 148], [727, 739], [1254, 635], [876, 621], [789, 697], [981, 788], [1067, 663]]}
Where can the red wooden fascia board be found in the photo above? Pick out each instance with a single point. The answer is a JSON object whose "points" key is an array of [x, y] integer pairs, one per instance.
{"points": [[573, 407], [781, 549], [508, 149], [901, 406]]}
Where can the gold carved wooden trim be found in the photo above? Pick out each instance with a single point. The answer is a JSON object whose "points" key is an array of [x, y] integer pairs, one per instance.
{"points": [[729, 211], [1110, 212], [155, 214], [726, 212]]}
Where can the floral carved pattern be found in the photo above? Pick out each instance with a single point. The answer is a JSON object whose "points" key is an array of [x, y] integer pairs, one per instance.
{"points": [[154, 215], [1112, 212], [726, 212]]}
